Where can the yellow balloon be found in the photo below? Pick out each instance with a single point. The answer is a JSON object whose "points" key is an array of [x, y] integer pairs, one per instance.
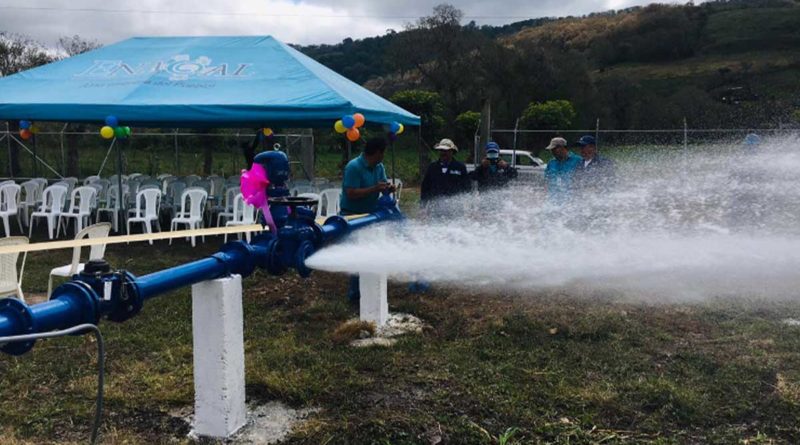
{"points": [[267, 132], [401, 129], [34, 129], [107, 132], [339, 127]]}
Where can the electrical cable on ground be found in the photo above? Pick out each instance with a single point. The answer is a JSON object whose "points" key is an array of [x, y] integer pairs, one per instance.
{"points": [[101, 352]]}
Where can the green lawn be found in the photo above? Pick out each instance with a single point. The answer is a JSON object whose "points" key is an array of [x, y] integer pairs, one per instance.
{"points": [[546, 367]]}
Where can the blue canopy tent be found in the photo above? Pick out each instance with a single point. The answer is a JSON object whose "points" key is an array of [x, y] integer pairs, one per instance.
{"points": [[192, 82], [207, 82]]}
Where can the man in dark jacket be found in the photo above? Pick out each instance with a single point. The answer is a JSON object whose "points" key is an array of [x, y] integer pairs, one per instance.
{"points": [[493, 172], [595, 172], [445, 177]]}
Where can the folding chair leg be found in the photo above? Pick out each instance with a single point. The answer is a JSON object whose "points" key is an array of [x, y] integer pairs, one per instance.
{"points": [[49, 286], [5, 225], [149, 230], [19, 222]]}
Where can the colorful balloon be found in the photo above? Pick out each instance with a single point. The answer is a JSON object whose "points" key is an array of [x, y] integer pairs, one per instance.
{"points": [[119, 132], [339, 127], [394, 127], [34, 129], [353, 134], [267, 132], [24, 125], [107, 132], [348, 121], [359, 119], [25, 134], [112, 121], [401, 129], [127, 131]]}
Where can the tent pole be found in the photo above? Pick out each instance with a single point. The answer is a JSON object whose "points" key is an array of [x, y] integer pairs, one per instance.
{"points": [[63, 157], [35, 158], [394, 173], [8, 145], [177, 156], [121, 213]]}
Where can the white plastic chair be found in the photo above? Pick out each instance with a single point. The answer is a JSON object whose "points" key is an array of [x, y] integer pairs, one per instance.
{"points": [[328, 203], [147, 205], [90, 179], [192, 204], [10, 284], [225, 210], [9, 200], [302, 188], [31, 195], [243, 214], [110, 204], [96, 252], [172, 201], [82, 202], [53, 199], [190, 180]]}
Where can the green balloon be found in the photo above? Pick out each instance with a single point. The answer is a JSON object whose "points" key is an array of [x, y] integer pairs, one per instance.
{"points": [[127, 131], [119, 132]]}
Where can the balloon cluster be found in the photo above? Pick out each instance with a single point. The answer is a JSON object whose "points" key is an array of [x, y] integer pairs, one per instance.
{"points": [[27, 129], [394, 129], [349, 125], [112, 129]]}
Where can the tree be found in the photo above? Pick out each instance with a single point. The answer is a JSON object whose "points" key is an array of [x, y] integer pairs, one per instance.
{"points": [[18, 53], [444, 53], [552, 114], [466, 125], [429, 107], [72, 46]]}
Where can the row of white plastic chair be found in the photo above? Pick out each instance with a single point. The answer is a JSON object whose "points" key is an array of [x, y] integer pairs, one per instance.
{"points": [[11, 280]]}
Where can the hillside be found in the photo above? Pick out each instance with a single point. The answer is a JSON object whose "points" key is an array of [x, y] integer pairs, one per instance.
{"points": [[721, 63]]}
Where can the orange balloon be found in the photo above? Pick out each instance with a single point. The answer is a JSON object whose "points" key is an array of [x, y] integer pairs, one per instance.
{"points": [[25, 134], [353, 134], [360, 119]]}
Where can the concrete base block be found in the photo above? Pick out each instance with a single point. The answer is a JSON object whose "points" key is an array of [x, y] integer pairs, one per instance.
{"points": [[374, 304], [217, 328]]}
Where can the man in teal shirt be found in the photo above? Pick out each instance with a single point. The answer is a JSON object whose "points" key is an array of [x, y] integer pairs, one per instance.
{"points": [[364, 180], [560, 172]]}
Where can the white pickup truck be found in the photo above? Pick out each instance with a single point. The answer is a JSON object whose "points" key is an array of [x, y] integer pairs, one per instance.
{"points": [[528, 166]]}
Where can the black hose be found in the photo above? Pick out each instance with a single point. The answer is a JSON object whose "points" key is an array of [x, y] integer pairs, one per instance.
{"points": [[101, 354]]}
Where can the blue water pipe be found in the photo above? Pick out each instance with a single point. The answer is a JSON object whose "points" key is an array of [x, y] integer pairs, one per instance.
{"points": [[100, 292]]}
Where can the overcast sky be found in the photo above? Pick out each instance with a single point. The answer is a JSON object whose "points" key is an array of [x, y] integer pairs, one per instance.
{"points": [[293, 21]]}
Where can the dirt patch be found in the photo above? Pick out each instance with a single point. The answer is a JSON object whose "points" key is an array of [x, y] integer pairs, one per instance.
{"points": [[266, 424]]}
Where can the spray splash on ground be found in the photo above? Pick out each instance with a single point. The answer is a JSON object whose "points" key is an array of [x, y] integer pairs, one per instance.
{"points": [[716, 221]]}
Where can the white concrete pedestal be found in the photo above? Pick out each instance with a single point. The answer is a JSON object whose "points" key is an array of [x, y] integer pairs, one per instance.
{"points": [[217, 329], [374, 304]]}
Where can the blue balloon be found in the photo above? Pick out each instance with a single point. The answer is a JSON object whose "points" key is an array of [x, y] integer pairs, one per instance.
{"points": [[348, 121], [112, 121], [395, 127], [24, 125]]}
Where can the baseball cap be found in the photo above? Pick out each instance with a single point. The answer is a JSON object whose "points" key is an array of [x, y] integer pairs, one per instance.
{"points": [[556, 142], [446, 144], [586, 140], [492, 146]]}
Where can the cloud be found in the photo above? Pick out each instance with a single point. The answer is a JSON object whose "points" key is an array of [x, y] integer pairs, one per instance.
{"points": [[293, 21]]}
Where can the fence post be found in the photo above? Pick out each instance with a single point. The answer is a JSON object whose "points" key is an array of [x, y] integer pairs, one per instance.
{"points": [[177, 156], [8, 146]]}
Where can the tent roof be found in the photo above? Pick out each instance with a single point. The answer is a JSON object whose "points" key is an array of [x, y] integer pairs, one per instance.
{"points": [[192, 82]]}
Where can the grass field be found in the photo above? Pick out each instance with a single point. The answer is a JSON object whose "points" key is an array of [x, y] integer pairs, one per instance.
{"points": [[490, 368]]}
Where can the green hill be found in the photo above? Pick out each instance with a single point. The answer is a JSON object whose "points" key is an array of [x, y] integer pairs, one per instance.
{"points": [[720, 63]]}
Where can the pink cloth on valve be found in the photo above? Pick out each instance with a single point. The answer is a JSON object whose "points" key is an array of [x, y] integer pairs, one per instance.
{"points": [[254, 184]]}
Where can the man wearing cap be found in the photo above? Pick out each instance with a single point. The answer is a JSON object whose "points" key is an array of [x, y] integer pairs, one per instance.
{"points": [[595, 171], [493, 172], [560, 172], [445, 177]]}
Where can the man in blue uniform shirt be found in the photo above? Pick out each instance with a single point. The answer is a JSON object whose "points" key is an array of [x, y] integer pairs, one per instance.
{"points": [[560, 172], [364, 180]]}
